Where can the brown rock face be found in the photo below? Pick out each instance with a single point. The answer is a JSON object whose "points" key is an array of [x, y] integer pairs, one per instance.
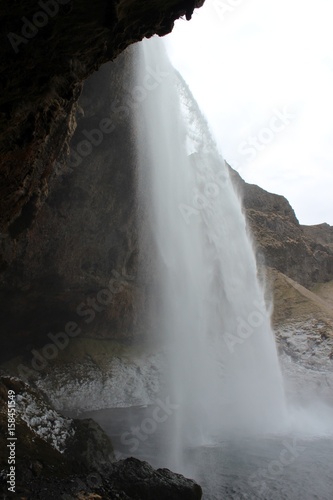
{"points": [[321, 233], [48, 49], [303, 253], [77, 263], [68, 225]]}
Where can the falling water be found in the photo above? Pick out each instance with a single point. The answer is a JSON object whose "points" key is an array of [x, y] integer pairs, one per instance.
{"points": [[222, 368]]}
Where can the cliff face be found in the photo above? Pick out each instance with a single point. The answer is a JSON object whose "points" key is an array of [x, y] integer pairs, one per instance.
{"points": [[68, 223], [321, 233], [299, 271], [78, 261], [304, 253], [48, 49]]}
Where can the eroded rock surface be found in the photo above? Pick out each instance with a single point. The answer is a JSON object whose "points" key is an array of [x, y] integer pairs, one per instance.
{"points": [[303, 253], [78, 262]]}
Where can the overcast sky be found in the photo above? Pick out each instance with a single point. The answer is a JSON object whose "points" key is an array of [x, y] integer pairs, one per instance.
{"points": [[262, 73]]}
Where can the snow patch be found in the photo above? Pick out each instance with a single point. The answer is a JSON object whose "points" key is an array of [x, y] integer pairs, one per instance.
{"points": [[306, 359], [307, 343], [122, 382], [45, 422]]}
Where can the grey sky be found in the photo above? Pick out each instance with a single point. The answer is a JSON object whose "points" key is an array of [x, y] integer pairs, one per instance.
{"points": [[262, 73]]}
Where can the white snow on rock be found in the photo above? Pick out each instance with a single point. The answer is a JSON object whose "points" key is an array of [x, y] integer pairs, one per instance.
{"points": [[307, 343], [306, 358], [45, 422], [122, 382], [307, 361]]}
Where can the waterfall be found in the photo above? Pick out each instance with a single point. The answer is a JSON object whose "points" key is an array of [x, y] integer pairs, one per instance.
{"points": [[222, 373]]}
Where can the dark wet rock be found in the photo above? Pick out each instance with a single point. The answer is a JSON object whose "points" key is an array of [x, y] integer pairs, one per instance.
{"points": [[83, 245], [85, 468], [89, 445], [46, 55], [139, 480]]}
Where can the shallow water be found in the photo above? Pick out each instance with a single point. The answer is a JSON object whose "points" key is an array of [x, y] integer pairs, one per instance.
{"points": [[254, 469], [251, 468]]}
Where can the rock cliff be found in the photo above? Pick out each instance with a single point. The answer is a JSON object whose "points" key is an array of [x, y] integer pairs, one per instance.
{"points": [[304, 253], [76, 262], [48, 49]]}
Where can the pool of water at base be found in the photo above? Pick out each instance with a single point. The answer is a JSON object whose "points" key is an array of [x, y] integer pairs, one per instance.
{"points": [[237, 468]]}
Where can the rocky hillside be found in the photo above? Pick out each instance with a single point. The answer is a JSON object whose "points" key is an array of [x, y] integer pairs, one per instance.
{"points": [[298, 264], [303, 325], [321, 233], [304, 253]]}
